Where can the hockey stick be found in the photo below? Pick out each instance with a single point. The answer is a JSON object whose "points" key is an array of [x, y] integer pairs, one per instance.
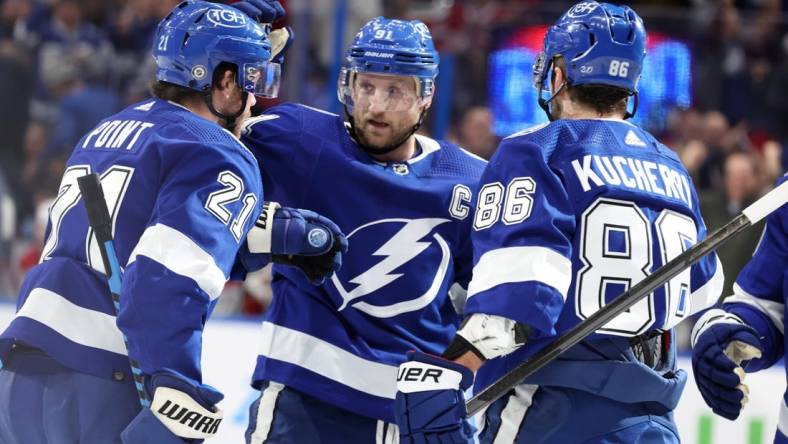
{"points": [[101, 223], [751, 215]]}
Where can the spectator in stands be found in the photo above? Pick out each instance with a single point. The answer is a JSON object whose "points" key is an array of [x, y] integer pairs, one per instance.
{"points": [[475, 132], [741, 187], [7, 233], [16, 91], [80, 106], [67, 34], [130, 31]]}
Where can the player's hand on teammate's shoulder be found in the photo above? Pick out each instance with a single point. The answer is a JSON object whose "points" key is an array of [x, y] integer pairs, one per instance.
{"points": [[173, 399], [264, 11], [721, 346], [296, 237], [269, 11], [430, 401]]}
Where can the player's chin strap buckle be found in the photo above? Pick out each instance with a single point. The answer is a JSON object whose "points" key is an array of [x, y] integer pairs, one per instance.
{"points": [[184, 416]]}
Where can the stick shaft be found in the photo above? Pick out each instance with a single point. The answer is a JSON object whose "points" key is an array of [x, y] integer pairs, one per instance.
{"points": [[101, 224], [594, 322]]}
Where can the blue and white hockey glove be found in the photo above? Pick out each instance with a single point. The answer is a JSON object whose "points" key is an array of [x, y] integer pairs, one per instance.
{"points": [[264, 11], [721, 344], [430, 404], [180, 412], [300, 238]]}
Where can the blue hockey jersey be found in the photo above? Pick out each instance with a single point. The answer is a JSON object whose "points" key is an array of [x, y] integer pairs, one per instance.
{"points": [[407, 225], [570, 215], [760, 294], [182, 193]]}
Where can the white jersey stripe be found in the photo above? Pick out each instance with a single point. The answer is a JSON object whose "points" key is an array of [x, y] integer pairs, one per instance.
{"points": [[513, 414], [325, 359], [181, 255], [774, 310], [707, 295], [86, 327], [265, 413], [520, 264]]}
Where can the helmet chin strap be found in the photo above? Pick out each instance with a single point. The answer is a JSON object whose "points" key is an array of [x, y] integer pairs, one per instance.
{"points": [[229, 118], [545, 104], [378, 151], [629, 115]]}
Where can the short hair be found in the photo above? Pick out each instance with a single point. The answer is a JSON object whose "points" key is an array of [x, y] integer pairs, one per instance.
{"points": [[602, 98], [180, 94]]}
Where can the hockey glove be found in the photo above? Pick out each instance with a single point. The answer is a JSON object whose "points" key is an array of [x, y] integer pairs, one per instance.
{"points": [[430, 405], [281, 39], [721, 344], [299, 238], [269, 11], [180, 412], [264, 11]]}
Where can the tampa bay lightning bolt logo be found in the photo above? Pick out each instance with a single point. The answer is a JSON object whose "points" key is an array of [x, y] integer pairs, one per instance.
{"points": [[411, 238]]}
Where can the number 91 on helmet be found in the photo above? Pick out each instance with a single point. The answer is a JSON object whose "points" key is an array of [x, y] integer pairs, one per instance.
{"points": [[389, 47]]}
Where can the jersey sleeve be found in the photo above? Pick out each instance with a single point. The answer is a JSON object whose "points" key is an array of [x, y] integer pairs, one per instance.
{"points": [[209, 198], [521, 234], [277, 140], [463, 270], [761, 287]]}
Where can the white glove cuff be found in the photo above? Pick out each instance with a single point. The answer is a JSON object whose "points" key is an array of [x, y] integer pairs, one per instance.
{"points": [[492, 336], [259, 237], [415, 376], [184, 416], [712, 317]]}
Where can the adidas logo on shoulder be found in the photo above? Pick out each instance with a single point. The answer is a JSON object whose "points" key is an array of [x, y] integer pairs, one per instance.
{"points": [[633, 139], [145, 106], [530, 130]]}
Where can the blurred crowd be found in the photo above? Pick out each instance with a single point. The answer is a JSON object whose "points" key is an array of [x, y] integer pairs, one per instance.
{"points": [[65, 64]]}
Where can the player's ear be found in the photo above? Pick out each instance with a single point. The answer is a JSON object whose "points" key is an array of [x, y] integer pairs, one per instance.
{"points": [[224, 79], [427, 101], [557, 78]]}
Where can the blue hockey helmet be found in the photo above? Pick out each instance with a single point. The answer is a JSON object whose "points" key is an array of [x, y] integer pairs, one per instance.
{"points": [[601, 43], [393, 47], [197, 36]]}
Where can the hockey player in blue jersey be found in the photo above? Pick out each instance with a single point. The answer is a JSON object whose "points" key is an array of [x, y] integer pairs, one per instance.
{"points": [[747, 332], [183, 193], [569, 215], [329, 354]]}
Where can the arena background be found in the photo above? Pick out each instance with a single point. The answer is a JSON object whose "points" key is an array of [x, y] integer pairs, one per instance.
{"points": [[714, 89]]}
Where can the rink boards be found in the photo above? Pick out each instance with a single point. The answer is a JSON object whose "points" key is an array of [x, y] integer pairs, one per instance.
{"points": [[230, 351]]}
